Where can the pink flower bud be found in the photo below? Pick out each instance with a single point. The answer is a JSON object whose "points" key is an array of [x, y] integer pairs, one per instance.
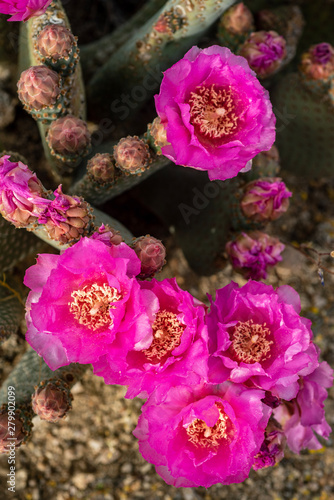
{"points": [[66, 218], [21, 193], [132, 155], [52, 400], [238, 19], [108, 235], [38, 88], [69, 136], [55, 42], [151, 253], [265, 199], [265, 52], [318, 62], [251, 254], [101, 167], [19, 430]]}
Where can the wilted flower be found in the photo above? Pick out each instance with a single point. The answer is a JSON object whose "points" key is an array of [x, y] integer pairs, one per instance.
{"points": [[251, 253], [203, 435], [318, 62], [21, 193], [174, 347], [80, 299], [66, 217], [272, 448], [304, 416], [257, 335], [265, 199], [264, 51], [108, 235], [22, 10], [216, 113]]}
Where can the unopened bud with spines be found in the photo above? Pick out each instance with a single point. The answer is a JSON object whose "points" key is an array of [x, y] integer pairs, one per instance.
{"points": [[69, 140], [52, 400], [235, 26], [132, 155], [57, 48], [151, 253], [156, 135], [40, 91], [101, 169], [15, 426]]}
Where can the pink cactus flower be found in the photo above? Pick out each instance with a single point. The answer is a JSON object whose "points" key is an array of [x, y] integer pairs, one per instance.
{"points": [[251, 253], [21, 193], [305, 415], [80, 299], [216, 113], [173, 350], [256, 335], [203, 435], [265, 51], [22, 10], [265, 199]]}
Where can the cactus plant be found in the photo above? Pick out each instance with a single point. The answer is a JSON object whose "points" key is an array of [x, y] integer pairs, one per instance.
{"points": [[229, 385]]}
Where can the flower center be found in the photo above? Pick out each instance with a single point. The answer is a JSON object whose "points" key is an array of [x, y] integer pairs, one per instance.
{"points": [[213, 112], [90, 305], [250, 342], [167, 332], [203, 436]]}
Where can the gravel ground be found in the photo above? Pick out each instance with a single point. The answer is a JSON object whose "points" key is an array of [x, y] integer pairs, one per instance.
{"points": [[92, 454]]}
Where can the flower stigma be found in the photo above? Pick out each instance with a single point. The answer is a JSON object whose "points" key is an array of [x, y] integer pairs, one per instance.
{"points": [[91, 304], [250, 342]]}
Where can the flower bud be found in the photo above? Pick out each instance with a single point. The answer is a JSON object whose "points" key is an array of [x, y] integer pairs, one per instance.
{"points": [[151, 253], [69, 139], [265, 199], [265, 52], [52, 400], [108, 235], [20, 429], [251, 254], [238, 20], [66, 218], [57, 47], [132, 155], [101, 168], [157, 135], [21, 193], [39, 90]]}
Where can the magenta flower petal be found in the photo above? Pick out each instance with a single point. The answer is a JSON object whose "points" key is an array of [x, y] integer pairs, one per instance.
{"points": [[216, 113], [22, 10], [203, 435], [80, 299], [256, 335], [173, 349]]}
